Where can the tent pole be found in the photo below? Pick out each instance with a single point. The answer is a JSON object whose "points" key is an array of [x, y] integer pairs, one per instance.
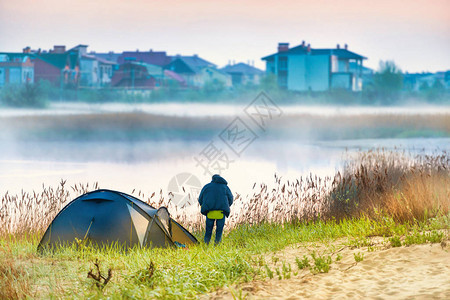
{"points": [[88, 229]]}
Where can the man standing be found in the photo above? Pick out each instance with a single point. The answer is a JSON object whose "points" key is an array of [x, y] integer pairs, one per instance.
{"points": [[215, 200]]}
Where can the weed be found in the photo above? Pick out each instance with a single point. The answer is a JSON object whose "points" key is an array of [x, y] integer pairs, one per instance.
{"points": [[99, 279], [422, 238], [395, 241], [275, 259], [277, 270], [269, 271], [286, 271], [238, 295], [321, 263], [14, 281], [146, 275], [359, 242], [303, 263], [358, 256]]}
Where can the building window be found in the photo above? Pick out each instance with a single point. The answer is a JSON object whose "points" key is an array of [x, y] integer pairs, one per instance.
{"points": [[282, 63], [282, 79]]}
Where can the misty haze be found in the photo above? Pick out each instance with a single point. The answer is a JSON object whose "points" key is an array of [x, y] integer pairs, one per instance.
{"points": [[142, 146]]}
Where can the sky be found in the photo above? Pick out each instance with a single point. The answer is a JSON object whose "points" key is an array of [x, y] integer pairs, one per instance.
{"points": [[414, 33]]}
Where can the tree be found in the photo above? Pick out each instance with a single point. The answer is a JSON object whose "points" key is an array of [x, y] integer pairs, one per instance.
{"points": [[269, 82], [388, 82], [435, 92], [213, 87]]}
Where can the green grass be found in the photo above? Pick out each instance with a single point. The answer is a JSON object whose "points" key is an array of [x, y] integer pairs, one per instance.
{"points": [[185, 273]]}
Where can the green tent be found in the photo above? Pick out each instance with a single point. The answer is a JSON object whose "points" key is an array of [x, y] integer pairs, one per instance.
{"points": [[104, 217]]}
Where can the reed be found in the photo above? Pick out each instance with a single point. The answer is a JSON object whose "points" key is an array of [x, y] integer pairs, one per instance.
{"points": [[405, 187]]}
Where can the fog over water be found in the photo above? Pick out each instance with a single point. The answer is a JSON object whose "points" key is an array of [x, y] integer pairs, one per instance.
{"points": [[148, 163], [219, 109]]}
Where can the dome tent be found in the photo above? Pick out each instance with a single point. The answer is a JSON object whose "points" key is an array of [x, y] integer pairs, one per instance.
{"points": [[106, 217]]}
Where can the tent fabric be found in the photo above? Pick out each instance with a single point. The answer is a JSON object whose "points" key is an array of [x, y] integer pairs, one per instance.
{"points": [[105, 217], [181, 235], [164, 216]]}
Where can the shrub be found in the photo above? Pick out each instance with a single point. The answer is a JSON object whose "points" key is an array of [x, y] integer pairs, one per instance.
{"points": [[27, 95]]}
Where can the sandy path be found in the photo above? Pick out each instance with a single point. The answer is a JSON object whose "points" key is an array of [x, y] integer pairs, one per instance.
{"points": [[415, 272]]}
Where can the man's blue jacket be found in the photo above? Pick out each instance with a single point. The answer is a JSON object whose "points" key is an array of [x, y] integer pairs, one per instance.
{"points": [[216, 195]]}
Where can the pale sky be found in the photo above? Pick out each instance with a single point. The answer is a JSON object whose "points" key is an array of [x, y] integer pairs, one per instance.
{"points": [[414, 33]]}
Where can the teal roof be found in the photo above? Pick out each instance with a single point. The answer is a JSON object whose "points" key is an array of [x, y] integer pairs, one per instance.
{"points": [[13, 55], [300, 49], [194, 63], [242, 68], [59, 60]]}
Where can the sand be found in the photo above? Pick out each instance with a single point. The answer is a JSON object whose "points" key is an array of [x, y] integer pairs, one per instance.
{"points": [[414, 272]]}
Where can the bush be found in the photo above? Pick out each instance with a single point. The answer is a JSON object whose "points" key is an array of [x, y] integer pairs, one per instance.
{"points": [[28, 95]]}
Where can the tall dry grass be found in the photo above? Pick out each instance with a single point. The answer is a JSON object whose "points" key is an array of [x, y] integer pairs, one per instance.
{"points": [[403, 186], [33, 212], [14, 279]]}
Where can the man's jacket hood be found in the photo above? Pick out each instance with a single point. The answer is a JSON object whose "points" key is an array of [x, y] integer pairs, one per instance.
{"points": [[218, 179]]}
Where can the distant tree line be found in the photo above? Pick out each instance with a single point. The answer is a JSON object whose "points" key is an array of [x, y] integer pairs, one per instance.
{"points": [[388, 87]]}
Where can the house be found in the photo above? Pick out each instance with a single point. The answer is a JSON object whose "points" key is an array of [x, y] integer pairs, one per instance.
{"points": [[173, 79], [109, 62], [95, 71], [57, 66], [197, 71], [158, 58], [366, 73], [16, 68], [243, 74], [100, 64], [133, 75], [303, 68], [433, 79], [109, 56], [89, 71], [89, 67], [106, 70]]}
